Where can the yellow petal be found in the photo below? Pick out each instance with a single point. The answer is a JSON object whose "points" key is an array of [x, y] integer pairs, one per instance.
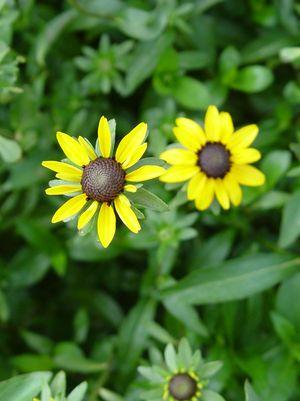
{"points": [[145, 173], [69, 177], [104, 137], [69, 208], [179, 173], [191, 126], [135, 157], [179, 156], [227, 128], [126, 214], [221, 194], [63, 189], [243, 137], [130, 142], [72, 149], [88, 147], [246, 156], [87, 215], [60, 167], [248, 175], [233, 189], [130, 188], [212, 124], [106, 224], [195, 186], [204, 200], [188, 139]]}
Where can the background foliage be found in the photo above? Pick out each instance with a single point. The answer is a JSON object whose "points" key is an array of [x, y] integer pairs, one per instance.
{"points": [[228, 281]]}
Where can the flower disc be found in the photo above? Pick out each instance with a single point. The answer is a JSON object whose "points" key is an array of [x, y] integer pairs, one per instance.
{"points": [[103, 179]]}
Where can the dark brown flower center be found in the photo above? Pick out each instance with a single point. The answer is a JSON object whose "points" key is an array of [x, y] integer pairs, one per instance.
{"points": [[182, 387], [102, 179], [214, 160]]}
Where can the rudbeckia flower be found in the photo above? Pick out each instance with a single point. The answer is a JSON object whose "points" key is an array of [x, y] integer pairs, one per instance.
{"points": [[181, 376], [215, 160], [97, 181]]}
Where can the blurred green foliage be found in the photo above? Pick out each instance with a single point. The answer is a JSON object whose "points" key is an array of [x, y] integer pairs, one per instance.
{"points": [[228, 281]]}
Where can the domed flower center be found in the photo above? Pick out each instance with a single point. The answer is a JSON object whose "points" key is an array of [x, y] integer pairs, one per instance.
{"points": [[103, 179], [214, 160], [182, 387]]}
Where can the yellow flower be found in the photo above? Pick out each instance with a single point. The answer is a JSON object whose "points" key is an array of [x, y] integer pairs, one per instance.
{"points": [[96, 181], [215, 160]]}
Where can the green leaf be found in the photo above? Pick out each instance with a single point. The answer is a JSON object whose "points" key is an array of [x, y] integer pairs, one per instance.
{"points": [[212, 251], [147, 199], [233, 280], [27, 268], [290, 54], [133, 334], [70, 357], [30, 362], [81, 325], [144, 25], [275, 165], [24, 387], [283, 327], [4, 307], [265, 46], [250, 394], [98, 8], [43, 240], [186, 314], [51, 33], [10, 150], [144, 60], [287, 304], [38, 343], [290, 222], [193, 60], [252, 79], [191, 93]]}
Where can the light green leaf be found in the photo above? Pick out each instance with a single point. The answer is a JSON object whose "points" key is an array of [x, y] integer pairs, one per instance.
{"points": [[275, 165], [191, 93], [10, 150], [252, 79], [290, 222], [147, 199]]}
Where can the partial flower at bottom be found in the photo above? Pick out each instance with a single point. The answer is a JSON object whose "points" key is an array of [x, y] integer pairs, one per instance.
{"points": [[215, 160], [183, 376], [97, 181]]}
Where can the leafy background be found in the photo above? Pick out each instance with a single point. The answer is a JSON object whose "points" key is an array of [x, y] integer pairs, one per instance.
{"points": [[228, 281]]}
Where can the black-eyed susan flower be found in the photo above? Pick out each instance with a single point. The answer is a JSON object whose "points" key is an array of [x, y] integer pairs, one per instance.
{"points": [[182, 376], [215, 160], [97, 181]]}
